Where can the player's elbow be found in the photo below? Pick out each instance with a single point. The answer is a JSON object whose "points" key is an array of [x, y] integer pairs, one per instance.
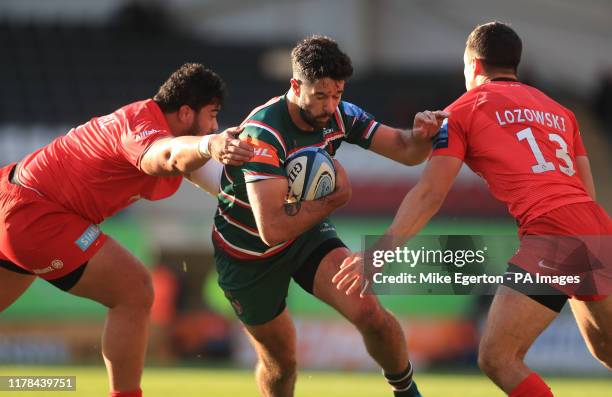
{"points": [[435, 199], [176, 163], [431, 196], [414, 160], [271, 236], [158, 164], [270, 233]]}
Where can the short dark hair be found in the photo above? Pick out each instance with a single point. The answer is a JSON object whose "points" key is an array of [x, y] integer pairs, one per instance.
{"points": [[497, 45], [318, 57], [193, 85]]}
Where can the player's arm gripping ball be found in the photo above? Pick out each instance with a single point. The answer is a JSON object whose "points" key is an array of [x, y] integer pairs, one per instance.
{"points": [[278, 222]]}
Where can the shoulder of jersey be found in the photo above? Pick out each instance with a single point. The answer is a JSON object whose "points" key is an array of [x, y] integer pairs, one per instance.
{"points": [[464, 99], [138, 108], [266, 112]]}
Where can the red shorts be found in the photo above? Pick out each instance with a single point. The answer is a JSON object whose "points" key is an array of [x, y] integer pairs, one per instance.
{"points": [[572, 240], [41, 236]]}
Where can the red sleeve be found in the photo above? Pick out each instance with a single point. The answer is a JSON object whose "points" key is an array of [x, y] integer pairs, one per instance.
{"points": [[451, 139], [579, 149], [134, 143]]}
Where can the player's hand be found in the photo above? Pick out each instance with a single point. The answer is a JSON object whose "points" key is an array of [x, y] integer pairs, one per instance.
{"points": [[350, 278], [427, 124], [227, 149], [343, 190]]}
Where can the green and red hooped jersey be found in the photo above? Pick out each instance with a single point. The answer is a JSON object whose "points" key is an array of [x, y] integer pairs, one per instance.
{"points": [[275, 137]]}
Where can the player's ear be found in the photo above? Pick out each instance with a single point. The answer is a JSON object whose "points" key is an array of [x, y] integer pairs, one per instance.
{"points": [[185, 114], [295, 86]]}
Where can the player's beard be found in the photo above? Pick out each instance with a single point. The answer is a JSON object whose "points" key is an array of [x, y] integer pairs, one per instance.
{"points": [[195, 129], [316, 122]]}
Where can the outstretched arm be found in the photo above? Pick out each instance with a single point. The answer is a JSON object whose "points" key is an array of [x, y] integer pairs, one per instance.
{"points": [[185, 154], [420, 204], [410, 147], [425, 199], [279, 221]]}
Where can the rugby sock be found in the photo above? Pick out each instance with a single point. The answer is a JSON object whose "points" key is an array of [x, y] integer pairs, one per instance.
{"points": [[531, 386], [402, 383], [133, 393]]}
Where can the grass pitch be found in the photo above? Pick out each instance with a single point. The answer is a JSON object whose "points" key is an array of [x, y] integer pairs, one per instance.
{"points": [[192, 382]]}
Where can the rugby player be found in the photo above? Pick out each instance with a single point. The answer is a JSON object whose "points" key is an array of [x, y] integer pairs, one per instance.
{"points": [[52, 201], [262, 241], [529, 150]]}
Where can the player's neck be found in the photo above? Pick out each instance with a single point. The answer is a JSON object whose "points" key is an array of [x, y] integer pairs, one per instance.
{"points": [[174, 123], [483, 79]]}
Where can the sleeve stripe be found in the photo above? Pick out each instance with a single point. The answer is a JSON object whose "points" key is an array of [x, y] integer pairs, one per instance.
{"points": [[263, 126], [371, 127]]}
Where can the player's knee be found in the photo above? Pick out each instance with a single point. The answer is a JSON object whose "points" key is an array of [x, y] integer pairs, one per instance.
{"points": [[280, 369], [139, 295], [489, 364], [146, 292], [368, 314], [492, 360]]}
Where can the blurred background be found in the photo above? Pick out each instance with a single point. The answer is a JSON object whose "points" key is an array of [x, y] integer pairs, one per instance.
{"points": [[65, 61]]}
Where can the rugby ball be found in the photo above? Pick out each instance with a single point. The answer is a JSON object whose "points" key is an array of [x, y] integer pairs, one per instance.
{"points": [[311, 174]]}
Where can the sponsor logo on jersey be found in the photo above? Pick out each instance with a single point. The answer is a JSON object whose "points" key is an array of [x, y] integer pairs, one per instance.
{"points": [[326, 227], [263, 152], [143, 134], [543, 265], [104, 121], [88, 237]]}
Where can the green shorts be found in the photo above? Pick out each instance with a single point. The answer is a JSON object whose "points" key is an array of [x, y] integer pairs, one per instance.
{"points": [[258, 289]]}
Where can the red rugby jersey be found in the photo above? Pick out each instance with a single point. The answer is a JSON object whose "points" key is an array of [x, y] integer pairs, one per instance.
{"points": [[94, 170], [523, 143]]}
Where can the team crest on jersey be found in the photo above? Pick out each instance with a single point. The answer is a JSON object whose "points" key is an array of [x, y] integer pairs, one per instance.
{"points": [[263, 152], [56, 264]]}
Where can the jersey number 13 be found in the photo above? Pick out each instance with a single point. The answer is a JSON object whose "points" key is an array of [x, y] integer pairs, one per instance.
{"points": [[543, 165]]}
